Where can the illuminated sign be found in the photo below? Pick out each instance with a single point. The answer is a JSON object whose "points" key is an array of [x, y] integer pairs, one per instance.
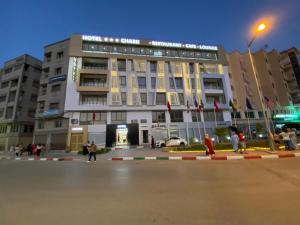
{"points": [[286, 117], [77, 128], [121, 126], [148, 43]]}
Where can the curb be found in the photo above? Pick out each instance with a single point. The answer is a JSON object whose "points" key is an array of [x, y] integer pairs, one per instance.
{"points": [[232, 157], [38, 159]]}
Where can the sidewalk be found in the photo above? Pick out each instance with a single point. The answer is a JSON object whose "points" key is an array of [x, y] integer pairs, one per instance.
{"points": [[156, 154]]}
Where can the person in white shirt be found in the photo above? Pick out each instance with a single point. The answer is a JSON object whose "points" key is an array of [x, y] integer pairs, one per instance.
{"points": [[286, 139]]}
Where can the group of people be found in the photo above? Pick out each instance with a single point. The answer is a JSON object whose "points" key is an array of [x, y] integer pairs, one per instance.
{"points": [[289, 138], [238, 142], [31, 149], [90, 149]]}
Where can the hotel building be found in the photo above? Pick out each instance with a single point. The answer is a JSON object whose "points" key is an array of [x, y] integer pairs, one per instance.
{"points": [[117, 90]]}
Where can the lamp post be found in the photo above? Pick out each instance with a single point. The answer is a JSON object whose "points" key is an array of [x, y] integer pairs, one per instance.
{"points": [[261, 27]]}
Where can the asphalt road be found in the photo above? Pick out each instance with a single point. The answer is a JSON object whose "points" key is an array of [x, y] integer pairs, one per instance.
{"points": [[242, 192]]}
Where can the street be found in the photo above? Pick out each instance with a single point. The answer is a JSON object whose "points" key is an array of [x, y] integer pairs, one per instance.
{"points": [[241, 192]]}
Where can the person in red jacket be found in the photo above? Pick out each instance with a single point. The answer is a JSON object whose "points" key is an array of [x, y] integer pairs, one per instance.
{"points": [[209, 145], [242, 142]]}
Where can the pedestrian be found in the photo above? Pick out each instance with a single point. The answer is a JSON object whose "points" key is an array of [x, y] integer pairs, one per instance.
{"points": [[293, 137], [17, 150], [33, 149], [85, 149], [242, 142], [235, 141], [38, 150], [286, 139], [152, 142], [28, 149], [92, 151], [276, 141], [209, 145]]}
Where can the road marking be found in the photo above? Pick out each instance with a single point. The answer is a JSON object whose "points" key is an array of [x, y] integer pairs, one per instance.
{"points": [[235, 157], [150, 158], [175, 158]]}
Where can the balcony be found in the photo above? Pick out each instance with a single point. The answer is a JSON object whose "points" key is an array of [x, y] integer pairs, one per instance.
{"points": [[92, 83], [93, 99], [94, 66]]}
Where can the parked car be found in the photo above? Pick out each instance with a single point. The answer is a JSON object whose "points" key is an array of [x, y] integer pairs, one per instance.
{"points": [[172, 142]]}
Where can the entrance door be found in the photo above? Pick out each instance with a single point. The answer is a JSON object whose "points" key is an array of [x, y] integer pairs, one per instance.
{"points": [[145, 136], [76, 142], [121, 135]]}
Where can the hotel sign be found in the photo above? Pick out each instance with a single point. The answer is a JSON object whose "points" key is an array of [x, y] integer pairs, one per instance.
{"points": [[148, 43]]}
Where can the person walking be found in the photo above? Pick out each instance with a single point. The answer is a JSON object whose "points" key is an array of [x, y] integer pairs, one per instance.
{"points": [[242, 142], [92, 151], [293, 137], [152, 142], [28, 149], [38, 150], [286, 139], [209, 145], [85, 149], [235, 141]]}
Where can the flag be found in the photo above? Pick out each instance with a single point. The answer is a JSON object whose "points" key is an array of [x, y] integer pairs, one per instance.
{"points": [[200, 108], [216, 106], [188, 106], [94, 116], [248, 104], [169, 106], [232, 105], [269, 103]]}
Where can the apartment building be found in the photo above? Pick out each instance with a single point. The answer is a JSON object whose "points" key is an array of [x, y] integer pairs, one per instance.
{"points": [[118, 90], [51, 128], [19, 83], [289, 60], [273, 83]]}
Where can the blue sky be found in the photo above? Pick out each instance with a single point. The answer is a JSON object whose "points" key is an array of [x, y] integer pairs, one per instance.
{"points": [[26, 26]]}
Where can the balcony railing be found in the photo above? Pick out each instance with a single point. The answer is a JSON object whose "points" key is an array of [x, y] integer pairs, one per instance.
{"points": [[91, 102], [94, 84], [216, 87], [94, 67]]}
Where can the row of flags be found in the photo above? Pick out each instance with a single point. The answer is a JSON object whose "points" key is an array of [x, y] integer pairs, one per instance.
{"points": [[268, 102]]}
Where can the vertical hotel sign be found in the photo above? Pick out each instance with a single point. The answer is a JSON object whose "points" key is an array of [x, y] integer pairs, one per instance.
{"points": [[74, 68]]}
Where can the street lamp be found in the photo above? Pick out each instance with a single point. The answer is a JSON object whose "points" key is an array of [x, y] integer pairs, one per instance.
{"points": [[260, 28]]}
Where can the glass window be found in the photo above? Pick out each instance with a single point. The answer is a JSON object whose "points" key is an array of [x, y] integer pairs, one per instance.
{"points": [[158, 117], [58, 70], [171, 83], [124, 98], [2, 98], [121, 65], [60, 55], [153, 82], [122, 80], [181, 98], [193, 83], [209, 115], [54, 105], [179, 83], [4, 84], [151, 98], [118, 117], [142, 82], [191, 68], [161, 99], [55, 88], [143, 98], [153, 66], [176, 116], [58, 123], [87, 118]]}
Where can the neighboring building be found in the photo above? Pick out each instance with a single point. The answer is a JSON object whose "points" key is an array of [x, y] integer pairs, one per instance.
{"points": [[290, 61], [51, 128], [273, 82], [118, 89], [19, 84]]}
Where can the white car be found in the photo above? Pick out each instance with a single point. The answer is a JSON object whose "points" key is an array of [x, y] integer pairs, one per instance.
{"points": [[172, 142]]}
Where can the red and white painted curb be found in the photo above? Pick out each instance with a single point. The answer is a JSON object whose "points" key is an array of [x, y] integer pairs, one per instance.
{"points": [[216, 157], [40, 158]]}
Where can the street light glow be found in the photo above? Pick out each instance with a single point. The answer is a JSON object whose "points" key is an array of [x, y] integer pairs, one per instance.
{"points": [[261, 27]]}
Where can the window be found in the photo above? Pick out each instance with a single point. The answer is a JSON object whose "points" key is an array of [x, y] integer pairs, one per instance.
{"points": [[43, 90], [2, 98], [14, 83], [122, 80], [118, 117], [60, 55], [4, 84], [209, 115], [131, 65], [54, 105], [41, 125], [142, 82], [196, 116], [100, 99], [193, 83], [153, 82], [12, 96], [121, 65], [48, 56], [41, 106], [9, 112], [24, 79], [235, 115], [179, 83], [58, 70], [1, 112], [55, 88], [35, 83], [14, 128], [219, 98], [153, 66], [143, 98], [124, 98], [8, 70], [213, 83], [171, 83], [181, 98], [158, 117], [249, 114], [176, 116], [151, 98], [46, 72], [33, 98], [57, 123], [160, 99], [168, 64], [31, 113], [87, 118], [191, 68]]}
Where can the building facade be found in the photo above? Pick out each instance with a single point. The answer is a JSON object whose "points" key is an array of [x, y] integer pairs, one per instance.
{"points": [[118, 90], [51, 128], [19, 83]]}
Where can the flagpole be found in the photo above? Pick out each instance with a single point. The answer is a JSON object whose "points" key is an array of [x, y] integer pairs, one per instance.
{"points": [[216, 124], [187, 134], [198, 127], [249, 124], [234, 117]]}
